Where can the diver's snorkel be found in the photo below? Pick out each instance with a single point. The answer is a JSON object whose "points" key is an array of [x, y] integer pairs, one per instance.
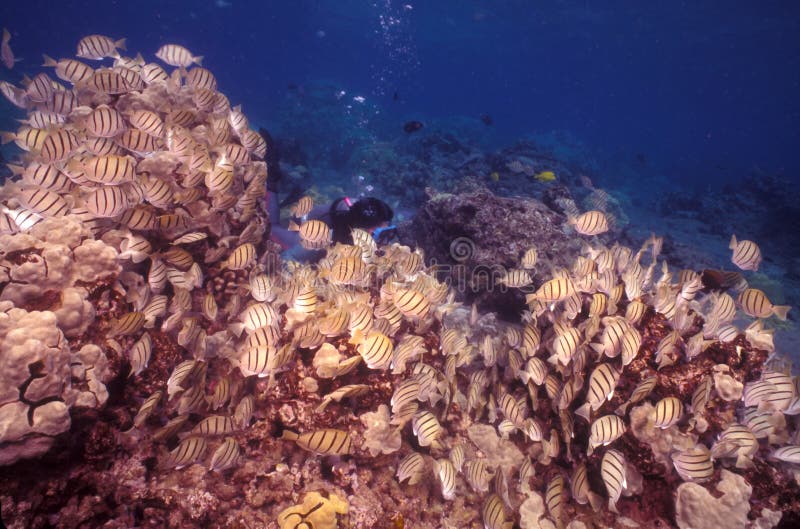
{"points": [[385, 234]]}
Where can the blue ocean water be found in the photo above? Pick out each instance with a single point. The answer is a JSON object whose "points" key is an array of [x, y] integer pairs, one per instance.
{"points": [[703, 90]]}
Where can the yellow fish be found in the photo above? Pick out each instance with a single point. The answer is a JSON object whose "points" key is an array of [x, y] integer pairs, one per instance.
{"points": [[545, 176], [495, 176]]}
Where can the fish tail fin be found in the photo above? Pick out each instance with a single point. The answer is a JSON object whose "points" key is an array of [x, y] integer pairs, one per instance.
{"points": [[7, 137], [322, 406], [583, 411], [742, 461], [16, 170], [120, 44], [236, 328], [611, 307], [598, 348], [289, 435], [781, 311], [733, 243], [174, 80], [49, 62], [139, 58], [6, 36], [357, 337], [595, 501], [293, 226], [198, 60]]}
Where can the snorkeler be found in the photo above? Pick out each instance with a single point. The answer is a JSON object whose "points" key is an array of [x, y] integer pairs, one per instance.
{"points": [[343, 215]]}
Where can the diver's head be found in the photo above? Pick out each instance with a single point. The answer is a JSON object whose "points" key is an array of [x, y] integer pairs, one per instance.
{"points": [[370, 213], [366, 213]]}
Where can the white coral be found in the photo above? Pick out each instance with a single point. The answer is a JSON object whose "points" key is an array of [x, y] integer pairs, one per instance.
{"points": [[380, 436], [95, 260], [35, 370], [499, 452], [67, 231], [33, 367], [532, 513], [45, 265], [95, 364], [697, 508], [30, 339], [662, 441], [76, 313], [56, 254]]}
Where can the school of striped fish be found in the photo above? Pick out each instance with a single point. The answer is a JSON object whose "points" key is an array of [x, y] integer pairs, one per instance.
{"points": [[160, 164]]}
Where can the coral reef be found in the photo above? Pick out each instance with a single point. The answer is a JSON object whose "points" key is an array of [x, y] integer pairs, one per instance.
{"points": [[697, 508], [191, 379], [442, 159], [316, 511], [50, 271], [476, 237], [771, 201]]}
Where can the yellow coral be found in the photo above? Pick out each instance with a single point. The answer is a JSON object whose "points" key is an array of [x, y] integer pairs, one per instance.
{"points": [[316, 512]]}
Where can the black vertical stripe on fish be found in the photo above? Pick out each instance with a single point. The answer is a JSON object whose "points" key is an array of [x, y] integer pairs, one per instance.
{"points": [[214, 425], [106, 201], [694, 464], [494, 514], [187, 452], [612, 469], [411, 468], [226, 455], [554, 497], [43, 202]]}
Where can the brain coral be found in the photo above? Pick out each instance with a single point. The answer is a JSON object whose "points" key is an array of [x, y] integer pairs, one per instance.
{"points": [[41, 377]]}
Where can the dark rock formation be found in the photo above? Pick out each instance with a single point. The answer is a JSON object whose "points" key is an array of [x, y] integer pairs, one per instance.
{"points": [[476, 237]]}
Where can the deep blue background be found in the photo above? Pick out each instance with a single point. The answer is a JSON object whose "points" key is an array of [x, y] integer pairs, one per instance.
{"points": [[705, 90]]}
